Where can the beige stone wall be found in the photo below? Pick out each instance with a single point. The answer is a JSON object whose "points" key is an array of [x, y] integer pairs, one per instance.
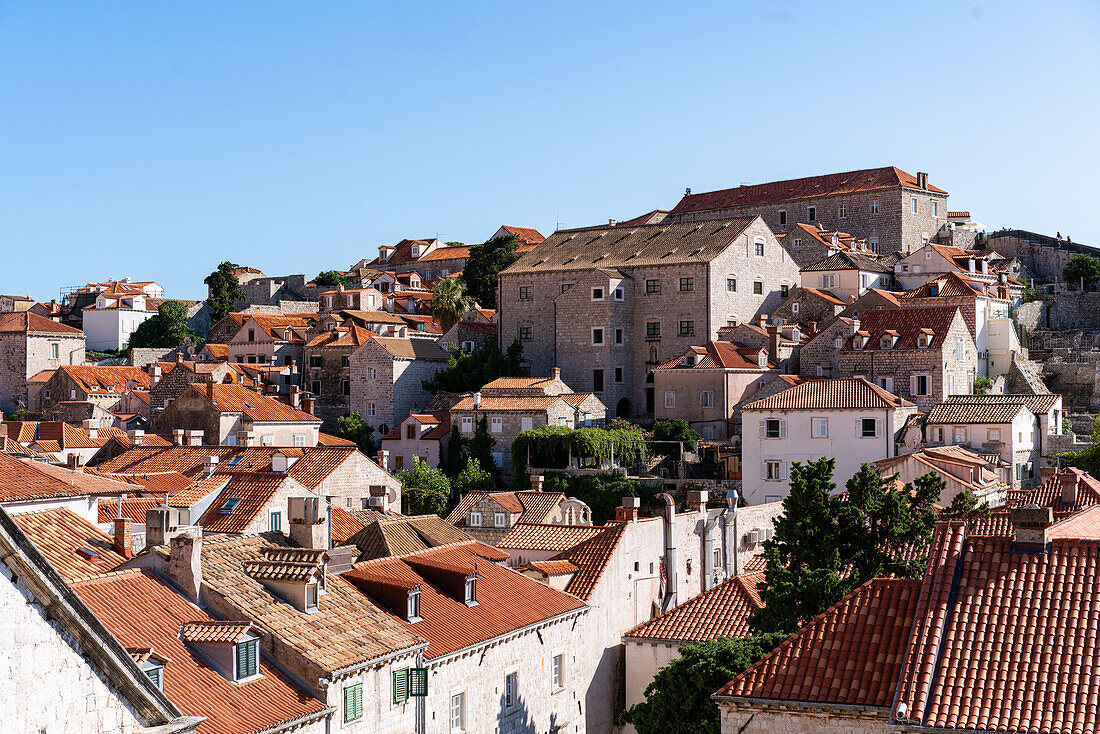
{"points": [[23, 356], [728, 388], [746, 719], [396, 389], [351, 482], [331, 402]]}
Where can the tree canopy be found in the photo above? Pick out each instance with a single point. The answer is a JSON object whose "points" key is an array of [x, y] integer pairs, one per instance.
{"points": [[330, 278], [484, 265], [168, 329], [450, 302], [1088, 458], [678, 700], [424, 490], [225, 289], [354, 429], [473, 478], [1080, 267], [965, 506], [468, 371]]}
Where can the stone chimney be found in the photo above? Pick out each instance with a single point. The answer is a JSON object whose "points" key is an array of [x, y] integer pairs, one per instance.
{"points": [[296, 397], [1069, 481], [209, 464], [137, 437], [184, 567], [123, 538], [855, 325], [774, 338], [91, 427], [194, 438], [154, 374], [1031, 525], [922, 180], [537, 481], [628, 512], [383, 459], [611, 222], [307, 404], [697, 500], [555, 373], [811, 328], [178, 437], [308, 526]]}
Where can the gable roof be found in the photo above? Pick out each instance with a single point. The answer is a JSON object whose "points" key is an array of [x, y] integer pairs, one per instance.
{"points": [[1038, 404], [95, 380], [72, 545], [591, 558], [526, 235], [398, 536], [533, 506], [544, 536], [420, 348], [831, 184], [255, 406], [850, 654], [252, 492], [721, 611], [962, 413], [609, 246], [22, 481], [23, 322], [822, 294], [63, 435], [948, 285], [845, 393], [909, 322], [721, 355], [851, 260], [346, 336]]}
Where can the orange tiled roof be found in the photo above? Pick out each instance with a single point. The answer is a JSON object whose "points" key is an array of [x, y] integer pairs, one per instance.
{"points": [[830, 394], [152, 618], [757, 564], [591, 558], [72, 545], [722, 611], [554, 568], [832, 184], [451, 252], [100, 380], [533, 506], [535, 403], [344, 525], [253, 492], [949, 285], [349, 336], [526, 235], [541, 536], [908, 322], [826, 295], [325, 439], [23, 481], [133, 508], [62, 434], [401, 535], [721, 355], [1049, 493], [507, 600], [850, 654], [22, 322], [210, 631], [257, 407], [419, 348]]}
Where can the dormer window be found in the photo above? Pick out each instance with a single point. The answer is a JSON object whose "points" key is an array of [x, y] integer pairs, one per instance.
{"points": [[475, 519], [311, 597], [762, 359], [155, 672], [934, 289], [471, 591], [887, 342], [498, 519], [246, 659], [412, 613], [924, 340]]}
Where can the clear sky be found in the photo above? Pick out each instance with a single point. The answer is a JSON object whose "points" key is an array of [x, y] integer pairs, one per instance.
{"points": [[156, 139]]}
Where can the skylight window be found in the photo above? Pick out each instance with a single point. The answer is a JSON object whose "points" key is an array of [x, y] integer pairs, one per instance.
{"points": [[236, 460], [230, 504], [250, 405]]}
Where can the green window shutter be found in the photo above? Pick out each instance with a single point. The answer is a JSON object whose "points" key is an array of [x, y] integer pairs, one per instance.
{"points": [[418, 682], [353, 702], [401, 685]]}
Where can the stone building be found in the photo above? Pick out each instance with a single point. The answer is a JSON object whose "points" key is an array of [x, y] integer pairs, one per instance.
{"points": [[233, 415], [421, 436], [327, 371], [228, 326], [387, 376], [808, 306], [355, 299], [609, 304], [808, 243], [490, 516], [274, 340], [103, 386], [921, 354], [848, 275], [32, 345], [960, 469], [892, 209], [933, 261], [818, 356]]}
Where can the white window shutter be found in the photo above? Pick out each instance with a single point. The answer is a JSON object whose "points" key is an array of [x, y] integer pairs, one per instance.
{"points": [[859, 427], [763, 428], [763, 470], [782, 470], [783, 428], [878, 428]]}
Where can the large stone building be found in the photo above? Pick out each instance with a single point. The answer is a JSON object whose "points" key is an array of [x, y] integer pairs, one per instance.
{"points": [[233, 415], [32, 345], [387, 376], [609, 304], [327, 370], [893, 209]]}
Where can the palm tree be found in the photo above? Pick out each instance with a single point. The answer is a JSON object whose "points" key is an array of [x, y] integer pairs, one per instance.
{"points": [[450, 302]]}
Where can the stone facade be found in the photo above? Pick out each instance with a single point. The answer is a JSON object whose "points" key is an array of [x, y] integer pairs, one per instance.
{"points": [[753, 718], [25, 353], [808, 306], [386, 387], [818, 357]]}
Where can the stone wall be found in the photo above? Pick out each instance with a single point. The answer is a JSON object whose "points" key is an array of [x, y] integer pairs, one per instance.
{"points": [[1075, 375], [752, 719], [1039, 254]]}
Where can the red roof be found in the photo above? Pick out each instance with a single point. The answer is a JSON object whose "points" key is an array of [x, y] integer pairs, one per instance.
{"points": [[25, 321], [949, 285], [343, 525], [99, 379], [72, 545], [909, 322], [252, 492], [533, 506], [831, 184], [722, 611], [257, 407], [721, 355], [591, 558], [24, 481], [845, 393], [506, 600], [541, 536], [526, 235]]}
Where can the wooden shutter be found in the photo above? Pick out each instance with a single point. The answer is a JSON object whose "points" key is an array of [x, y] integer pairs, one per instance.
{"points": [[763, 429], [401, 685], [353, 702], [246, 658], [418, 682], [878, 428], [783, 428]]}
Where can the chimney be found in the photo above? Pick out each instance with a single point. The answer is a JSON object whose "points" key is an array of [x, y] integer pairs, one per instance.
{"points": [[154, 374], [1046, 472], [697, 500], [536, 482], [811, 328], [477, 400], [555, 373], [922, 180], [308, 527], [137, 437], [628, 512], [296, 397], [179, 356], [307, 404], [773, 343], [670, 552], [178, 437], [123, 537], [184, 567], [611, 222], [72, 461], [1031, 524], [384, 459], [687, 191], [1069, 481], [194, 438], [855, 325], [761, 320], [209, 464], [246, 438]]}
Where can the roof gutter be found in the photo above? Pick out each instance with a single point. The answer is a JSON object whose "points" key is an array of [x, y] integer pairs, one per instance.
{"points": [[534, 626]]}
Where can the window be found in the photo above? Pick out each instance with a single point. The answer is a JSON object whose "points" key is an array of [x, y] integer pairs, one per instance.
{"points": [[618, 336], [471, 583], [872, 244], [782, 216], [597, 337], [838, 343], [652, 287], [345, 387], [842, 211], [597, 380], [958, 435], [618, 374], [653, 330], [819, 428], [54, 350], [951, 384], [230, 504], [794, 308], [400, 685], [496, 424], [557, 671], [311, 596], [413, 607], [458, 712], [475, 519], [960, 350], [525, 293], [251, 335], [687, 328], [511, 682], [828, 280], [410, 431], [154, 672], [467, 424], [811, 214], [874, 206], [759, 248], [372, 373], [670, 398], [246, 659], [913, 205], [372, 408], [994, 434], [886, 383], [687, 285], [597, 294], [565, 287], [773, 470], [798, 242], [525, 333], [784, 289], [526, 424], [868, 428], [275, 522], [731, 284], [758, 287], [267, 439], [935, 208], [773, 428], [619, 294], [920, 385], [706, 399]]}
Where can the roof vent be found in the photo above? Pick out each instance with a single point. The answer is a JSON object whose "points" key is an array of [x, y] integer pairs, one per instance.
{"points": [[1031, 524]]}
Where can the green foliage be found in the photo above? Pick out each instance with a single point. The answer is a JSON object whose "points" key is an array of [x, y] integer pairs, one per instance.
{"points": [[456, 456], [550, 447], [168, 329], [480, 447], [225, 289], [678, 700], [982, 385], [1088, 458], [424, 490], [330, 278], [450, 302], [825, 546], [468, 371], [484, 265], [964, 506], [354, 429], [1081, 266], [473, 478], [1067, 426], [674, 431]]}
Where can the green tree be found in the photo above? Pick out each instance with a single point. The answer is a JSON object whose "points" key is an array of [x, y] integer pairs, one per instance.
{"points": [[456, 455], [481, 446], [1081, 267], [1088, 458], [982, 385], [424, 490], [965, 506], [352, 428], [450, 302], [678, 700], [468, 371], [225, 289], [331, 278], [166, 330], [473, 478], [674, 431], [484, 265]]}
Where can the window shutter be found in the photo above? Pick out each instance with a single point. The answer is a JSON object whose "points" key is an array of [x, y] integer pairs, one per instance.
{"points": [[763, 470], [859, 428], [783, 428], [418, 682], [401, 685], [878, 428], [782, 470], [763, 428], [353, 702]]}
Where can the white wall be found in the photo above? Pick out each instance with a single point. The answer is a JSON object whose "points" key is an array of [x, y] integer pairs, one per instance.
{"points": [[110, 328]]}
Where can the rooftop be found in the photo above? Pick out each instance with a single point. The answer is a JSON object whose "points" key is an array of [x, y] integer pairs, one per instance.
{"points": [[846, 393], [721, 611], [543, 536], [255, 406], [532, 506], [72, 545]]}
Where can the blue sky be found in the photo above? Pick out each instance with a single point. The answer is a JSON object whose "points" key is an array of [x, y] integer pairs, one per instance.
{"points": [[156, 139]]}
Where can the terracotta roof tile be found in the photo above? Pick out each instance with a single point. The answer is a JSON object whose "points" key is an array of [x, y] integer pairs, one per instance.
{"points": [[133, 509], [26, 480], [97, 380], [214, 632], [830, 394], [721, 355], [539, 536], [535, 507], [851, 260], [554, 568], [25, 321], [960, 413], [908, 322], [324, 439], [252, 492], [61, 434], [722, 611], [526, 235], [535, 403], [239, 399], [419, 348], [344, 525], [396, 536], [591, 558], [72, 545]]}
